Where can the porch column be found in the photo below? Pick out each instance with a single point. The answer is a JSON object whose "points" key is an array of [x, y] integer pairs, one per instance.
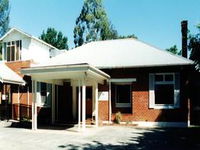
{"points": [[96, 104], [93, 104], [74, 102], [79, 104], [34, 105], [28, 99], [18, 102], [110, 102], [3, 54], [53, 105], [83, 104]]}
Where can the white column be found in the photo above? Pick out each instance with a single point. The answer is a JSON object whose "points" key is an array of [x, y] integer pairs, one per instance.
{"points": [[53, 105], [83, 104], [3, 52], [79, 104], [96, 105], [110, 102], [57, 96], [93, 104], [28, 100], [74, 102], [34, 105], [18, 102]]}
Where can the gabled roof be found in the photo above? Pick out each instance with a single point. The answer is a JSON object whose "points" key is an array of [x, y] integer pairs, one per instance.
{"points": [[9, 76], [28, 35], [121, 53]]}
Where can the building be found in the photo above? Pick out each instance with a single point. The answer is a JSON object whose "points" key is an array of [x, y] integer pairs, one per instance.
{"points": [[19, 50], [95, 81]]}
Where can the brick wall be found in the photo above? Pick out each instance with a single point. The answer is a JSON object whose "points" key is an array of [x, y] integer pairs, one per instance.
{"points": [[21, 108], [140, 110]]}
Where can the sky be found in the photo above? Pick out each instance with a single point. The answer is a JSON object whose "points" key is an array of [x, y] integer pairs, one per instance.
{"points": [[156, 22]]}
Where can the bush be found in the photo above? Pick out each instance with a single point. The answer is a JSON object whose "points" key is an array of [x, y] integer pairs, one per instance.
{"points": [[118, 117]]}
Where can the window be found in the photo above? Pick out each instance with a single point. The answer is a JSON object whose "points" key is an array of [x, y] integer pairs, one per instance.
{"points": [[123, 95], [12, 50], [164, 90], [44, 94], [122, 91]]}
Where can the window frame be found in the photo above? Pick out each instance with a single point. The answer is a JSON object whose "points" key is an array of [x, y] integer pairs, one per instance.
{"points": [[176, 86], [123, 81], [123, 105], [16, 45], [44, 101]]}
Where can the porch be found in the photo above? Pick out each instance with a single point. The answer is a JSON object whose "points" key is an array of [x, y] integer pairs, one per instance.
{"points": [[65, 79]]}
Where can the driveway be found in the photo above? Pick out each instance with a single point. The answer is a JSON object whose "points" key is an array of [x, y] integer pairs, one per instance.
{"points": [[107, 137]]}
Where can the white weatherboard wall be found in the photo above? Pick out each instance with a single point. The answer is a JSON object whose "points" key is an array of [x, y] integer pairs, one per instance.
{"points": [[38, 51], [31, 49]]}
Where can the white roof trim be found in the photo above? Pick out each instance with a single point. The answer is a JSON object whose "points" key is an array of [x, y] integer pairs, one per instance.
{"points": [[63, 68], [124, 80], [28, 35]]}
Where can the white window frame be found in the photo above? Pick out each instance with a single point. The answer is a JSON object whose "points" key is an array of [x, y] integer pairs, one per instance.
{"points": [[122, 105], [175, 82], [43, 101], [5, 48], [123, 81]]}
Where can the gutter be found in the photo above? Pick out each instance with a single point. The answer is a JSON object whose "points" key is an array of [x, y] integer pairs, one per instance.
{"points": [[143, 66]]}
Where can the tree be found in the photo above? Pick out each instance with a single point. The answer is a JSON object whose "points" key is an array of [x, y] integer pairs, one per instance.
{"points": [[93, 24], [174, 50], [4, 16], [194, 47], [54, 38], [127, 36]]}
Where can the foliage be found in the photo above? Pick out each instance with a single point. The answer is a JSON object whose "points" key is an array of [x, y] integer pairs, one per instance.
{"points": [[194, 47], [93, 24], [127, 36], [54, 38], [4, 16], [174, 50], [118, 117]]}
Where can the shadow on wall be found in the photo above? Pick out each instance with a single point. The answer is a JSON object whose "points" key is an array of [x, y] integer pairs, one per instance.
{"points": [[195, 99], [151, 139]]}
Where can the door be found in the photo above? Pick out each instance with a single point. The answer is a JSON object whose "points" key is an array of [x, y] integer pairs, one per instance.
{"points": [[64, 103], [5, 102]]}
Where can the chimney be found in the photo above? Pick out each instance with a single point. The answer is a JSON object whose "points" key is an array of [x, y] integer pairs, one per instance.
{"points": [[184, 30]]}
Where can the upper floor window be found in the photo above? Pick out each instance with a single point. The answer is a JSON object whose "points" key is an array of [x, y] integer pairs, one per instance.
{"points": [[12, 50]]}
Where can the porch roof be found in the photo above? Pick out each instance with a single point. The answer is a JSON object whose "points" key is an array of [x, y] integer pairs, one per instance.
{"points": [[66, 72], [9, 76]]}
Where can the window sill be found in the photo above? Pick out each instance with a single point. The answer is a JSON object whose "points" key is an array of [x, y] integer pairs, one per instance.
{"points": [[43, 105], [123, 105], [165, 107]]}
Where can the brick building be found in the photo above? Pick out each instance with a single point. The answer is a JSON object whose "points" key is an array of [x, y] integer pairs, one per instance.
{"points": [[97, 80]]}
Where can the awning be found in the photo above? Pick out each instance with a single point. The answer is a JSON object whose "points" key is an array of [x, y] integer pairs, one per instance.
{"points": [[9, 76], [82, 71]]}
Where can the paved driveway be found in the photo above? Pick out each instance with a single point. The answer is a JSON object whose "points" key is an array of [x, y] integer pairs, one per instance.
{"points": [[107, 137]]}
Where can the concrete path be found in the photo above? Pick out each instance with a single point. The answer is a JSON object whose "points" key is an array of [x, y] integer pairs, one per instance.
{"points": [[107, 137]]}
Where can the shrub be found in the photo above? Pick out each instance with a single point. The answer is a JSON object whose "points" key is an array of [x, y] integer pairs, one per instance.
{"points": [[118, 117]]}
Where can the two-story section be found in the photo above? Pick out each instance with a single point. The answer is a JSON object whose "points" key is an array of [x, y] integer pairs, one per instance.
{"points": [[21, 50], [20, 46]]}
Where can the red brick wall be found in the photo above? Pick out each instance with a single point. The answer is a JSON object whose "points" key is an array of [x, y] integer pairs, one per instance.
{"points": [[20, 109], [103, 110], [16, 66], [140, 110]]}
